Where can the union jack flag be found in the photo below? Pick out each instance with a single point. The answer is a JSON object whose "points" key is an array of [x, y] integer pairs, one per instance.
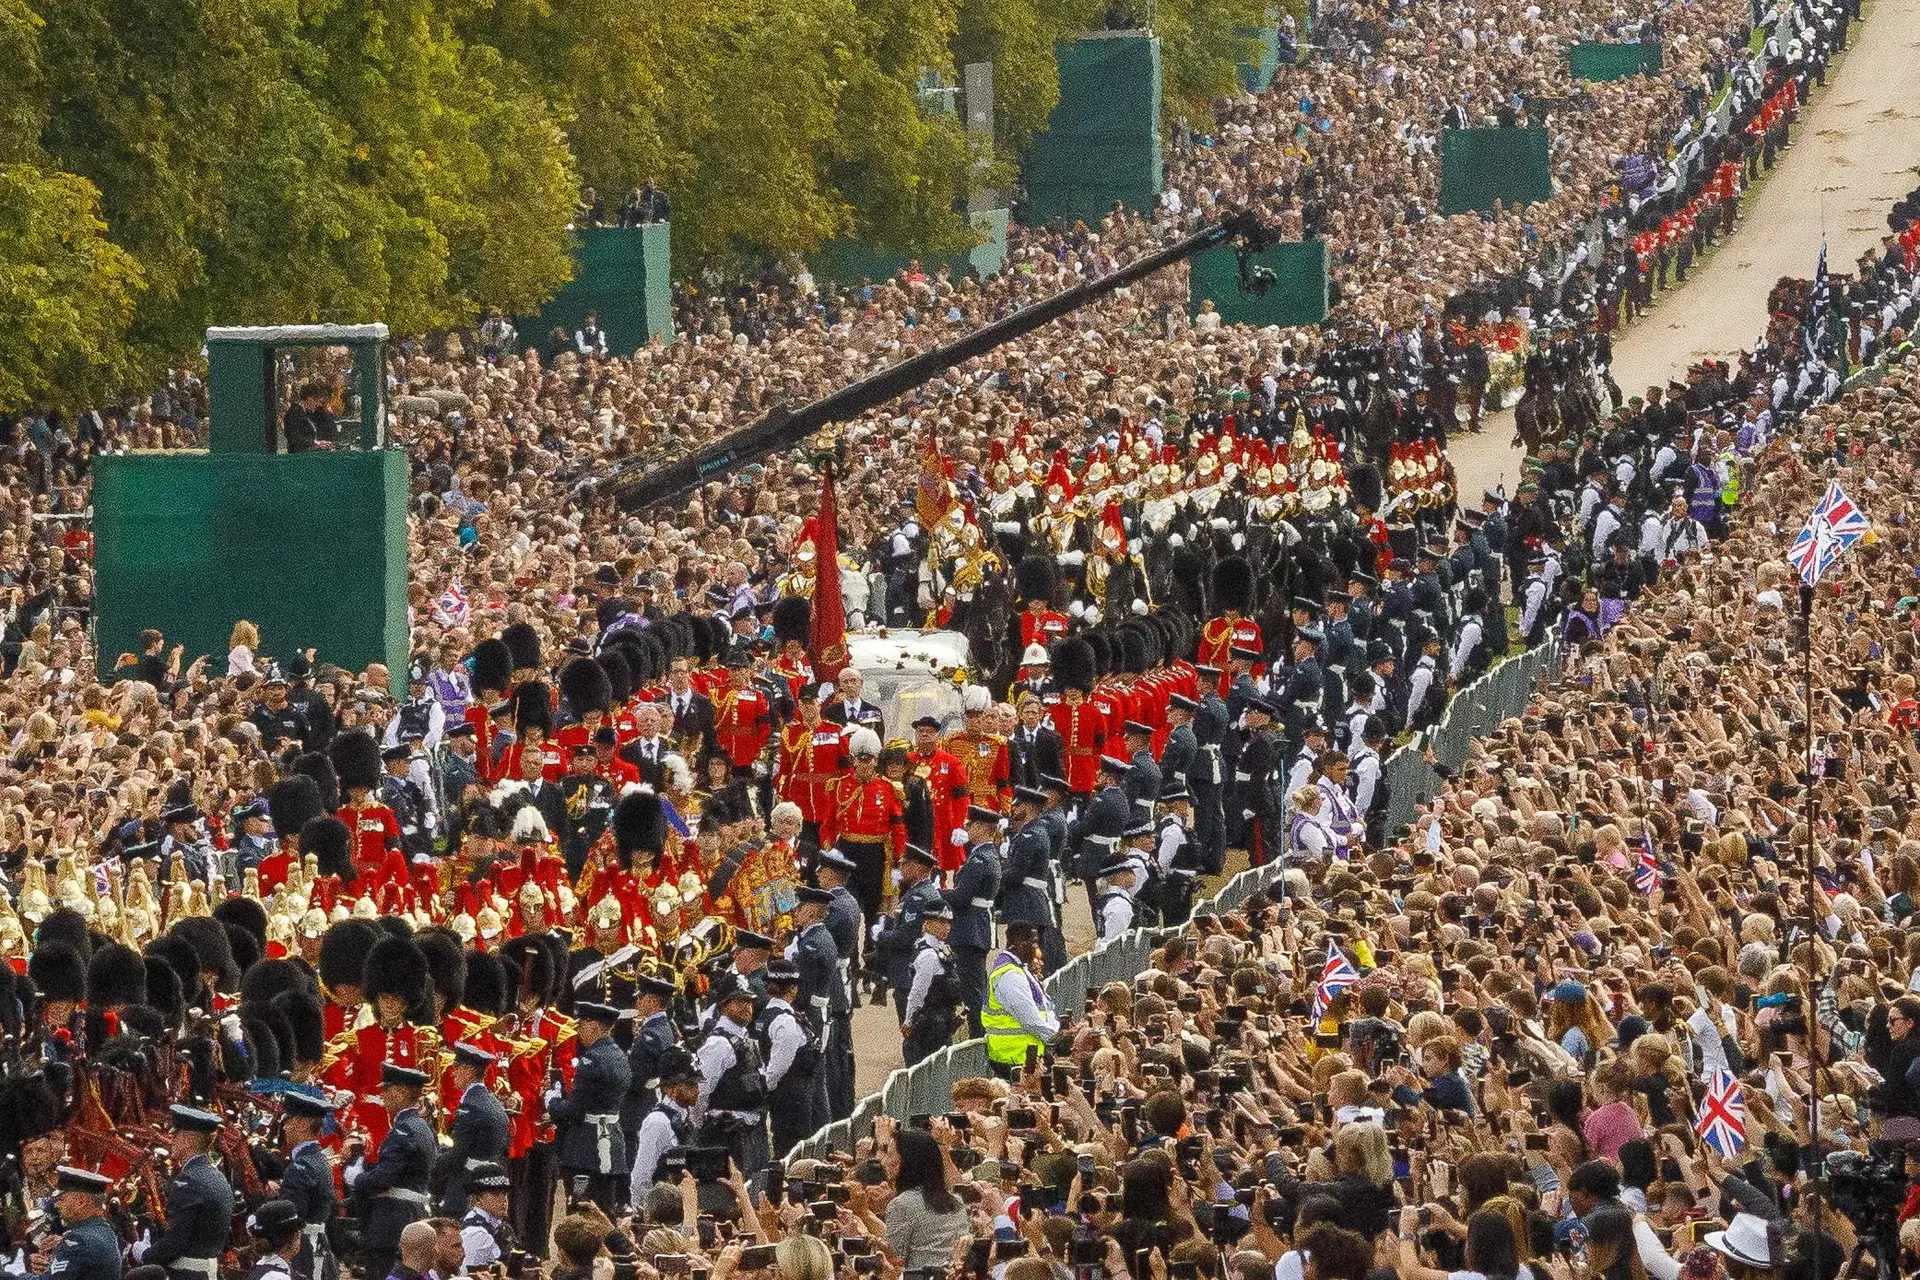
{"points": [[1335, 976], [1646, 873], [1835, 525], [451, 609], [1722, 1120]]}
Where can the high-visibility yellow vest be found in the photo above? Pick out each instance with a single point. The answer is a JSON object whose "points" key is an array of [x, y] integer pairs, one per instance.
{"points": [[1006, 1042]]}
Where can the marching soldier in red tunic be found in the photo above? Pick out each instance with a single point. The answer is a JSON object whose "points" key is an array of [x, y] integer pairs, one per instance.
{"points": [[947, 788], [371, 825], [1038, 579], [1082, 729], [813, 753], [543, 1064], [742, 717], [1233, 595], [792, 632], [588, 694], [396, 986], [492, 680], [866, 821], [983, 754]]}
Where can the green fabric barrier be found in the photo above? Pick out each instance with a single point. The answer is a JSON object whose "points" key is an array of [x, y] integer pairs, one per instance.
{"points": [[621, 274], [1257, 73], [1102, 142], [1480, 166], [1601, 60], [1298, 294], [848, 262], [311, 547]]}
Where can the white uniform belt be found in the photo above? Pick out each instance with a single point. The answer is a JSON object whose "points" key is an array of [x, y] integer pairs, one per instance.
{"points": [[983, 904], [202, 1266], [316, 1234], [1105, 842], [408, 1194], [1241, 775], [602, 1119], [1036, 882], [474, 1162]]}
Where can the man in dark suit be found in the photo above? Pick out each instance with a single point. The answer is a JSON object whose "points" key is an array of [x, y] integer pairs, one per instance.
{"points": [[545, 796], [308, 424], [649, 748], [849, 709], [691, 712], [1035, 749], [479, 1128]]}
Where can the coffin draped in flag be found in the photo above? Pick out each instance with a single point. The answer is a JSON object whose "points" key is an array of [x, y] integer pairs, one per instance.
{"points": [[1835, 525]]}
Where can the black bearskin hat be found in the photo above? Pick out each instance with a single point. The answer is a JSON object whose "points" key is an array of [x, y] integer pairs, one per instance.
{"points": [[245, 914], [327, 839], [1073, 664], [343, 952], [1100, 644], [396, 967], [271, 978], [116, 975], [164, 991], [11, 997], [446, 964], [392, 926], [523, 642], [58, 972], [533, 707], [184, 963], [208, 938], [246, 948], [292, 803], [619, 673], [275, 1016], [309, 1024], [1036, 578], [1233, 586], [30, 1107], [639, 826], [585, 687], [64, 924], [492, 667], [263, 1051], [793, 619], [486, 984], [529, 969], [1129, 650], [318, 765], [356, 759]]}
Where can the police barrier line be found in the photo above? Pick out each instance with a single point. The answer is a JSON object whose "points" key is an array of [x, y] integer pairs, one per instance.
{"points": [[927, 1086]]}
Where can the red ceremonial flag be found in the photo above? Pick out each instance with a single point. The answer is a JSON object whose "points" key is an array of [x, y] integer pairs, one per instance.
{"points": [[829, 610]]}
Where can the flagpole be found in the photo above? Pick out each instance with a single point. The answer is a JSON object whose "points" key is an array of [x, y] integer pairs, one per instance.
{"points": [[1817, 1175]]}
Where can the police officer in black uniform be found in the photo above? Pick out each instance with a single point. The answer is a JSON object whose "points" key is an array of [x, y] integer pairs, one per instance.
{"points": [[199, 1203], [919, 891], [307, 1181], [933, 997], [485, 1233], [591, 1147], [660, 1143], [824, 990], [88, 1248], [733, 1081], [275, 1228], [790, 1052], [479, 1130], [393, 1192], [975, 885]]}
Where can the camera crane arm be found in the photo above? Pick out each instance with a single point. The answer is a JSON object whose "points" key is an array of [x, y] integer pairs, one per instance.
{"points": [[637, 484]]}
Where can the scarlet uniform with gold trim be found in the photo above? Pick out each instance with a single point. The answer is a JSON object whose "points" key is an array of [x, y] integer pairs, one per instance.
{"points": [[1042, 627], [1110, 702], [372, 830], [984, 757], [616, 771], [357, 1069], [1218, 639], [481, 718], [795, 671], [528, 1074], [273, 870], [810, 759], [1083, 738], [947, 783], [551, 765], [869, 810], [465, 1026], [742, 723]]}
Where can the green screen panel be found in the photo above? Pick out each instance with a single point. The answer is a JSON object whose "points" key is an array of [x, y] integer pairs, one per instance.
{"points": [[1600, 60], [1480, 166], [624, 276], [848, 262], [1298, 294], [310, 547], [1102, 142]]}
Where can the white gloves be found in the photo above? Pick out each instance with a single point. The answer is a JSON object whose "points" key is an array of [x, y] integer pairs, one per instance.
{"points": [[959, 837]]}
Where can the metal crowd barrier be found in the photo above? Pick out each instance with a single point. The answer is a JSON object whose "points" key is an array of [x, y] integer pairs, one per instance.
{"points": [[927, 1087]]}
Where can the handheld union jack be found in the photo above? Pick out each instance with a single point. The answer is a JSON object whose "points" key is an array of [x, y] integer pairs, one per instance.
{"points": [[1646, 873], [1335, 976], [1835, 525], [451, 609], [1722, 1120]]}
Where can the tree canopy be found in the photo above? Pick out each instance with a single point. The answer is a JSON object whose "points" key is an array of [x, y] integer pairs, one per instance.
{"points": [[169, 164]]}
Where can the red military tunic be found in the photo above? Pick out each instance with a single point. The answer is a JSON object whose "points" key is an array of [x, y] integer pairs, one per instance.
{"points": [[1217, 641], [946, 780], [1042, 627], [372, 830], [1083, 737], [810, 759], [866, 811], [984, 757], [742, 723], [357, 1070]]}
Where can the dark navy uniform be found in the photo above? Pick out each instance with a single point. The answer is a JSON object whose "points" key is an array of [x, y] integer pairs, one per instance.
{"points": [[479, 1137], [975, 886], [409, 807], [308, 1182], [898, 940], [394, 1189], [589, 1118], [650, 1042], [199, 1222], [847, 923], [270, 1267], [823, 988], [1102, 824], [937, 1012], [1177, 759], [796, 1098], [1026, 882], [87, 1251]]}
